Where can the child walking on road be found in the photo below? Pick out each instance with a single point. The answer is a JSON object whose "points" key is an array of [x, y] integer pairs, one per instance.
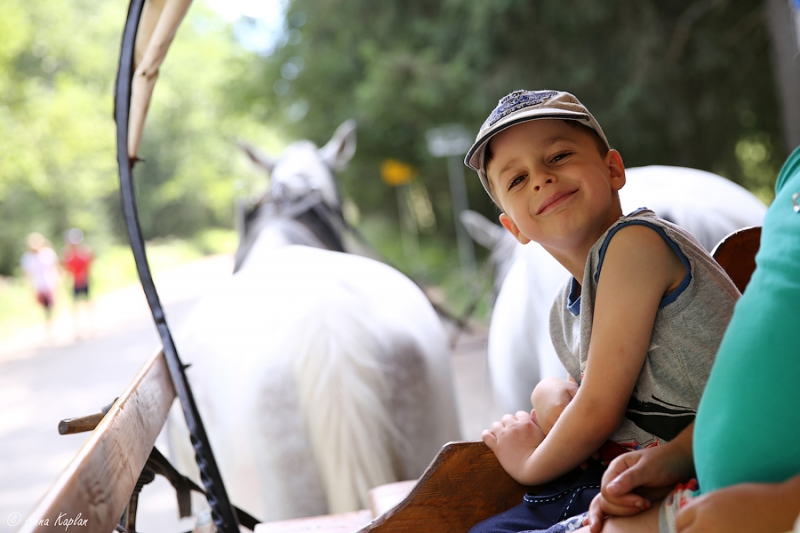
{"points": [[40, 264]]}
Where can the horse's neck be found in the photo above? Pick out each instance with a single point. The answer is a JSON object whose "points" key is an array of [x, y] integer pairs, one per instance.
{"points": [[504, 254], [545, 274], [276, 234]]}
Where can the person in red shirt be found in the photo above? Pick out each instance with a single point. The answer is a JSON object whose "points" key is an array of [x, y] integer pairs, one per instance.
{"points": [[77, 259]]}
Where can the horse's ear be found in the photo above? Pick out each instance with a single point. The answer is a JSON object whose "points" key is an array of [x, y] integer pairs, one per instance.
{"points": [[262, 160], [340, 149], [481, 229]]}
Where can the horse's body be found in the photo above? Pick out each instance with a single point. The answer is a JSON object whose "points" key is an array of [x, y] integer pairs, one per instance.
{"points": [[520, 350], [319, 374]]}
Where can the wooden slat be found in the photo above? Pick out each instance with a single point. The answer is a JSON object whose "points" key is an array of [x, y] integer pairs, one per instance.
{"points": [[736, 253], [97, 484], [464, 485]]}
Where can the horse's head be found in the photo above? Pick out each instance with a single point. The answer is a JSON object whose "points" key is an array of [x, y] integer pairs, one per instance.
{"points": [[301, 180]]}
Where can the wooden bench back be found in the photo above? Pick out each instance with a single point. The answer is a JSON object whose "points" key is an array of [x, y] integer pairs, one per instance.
{"points": [[100, 479], [463, 485], [736, 253]]}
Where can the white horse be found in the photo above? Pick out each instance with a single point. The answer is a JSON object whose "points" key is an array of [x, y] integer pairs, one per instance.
{"points": [[520, 351], [318, 374]]}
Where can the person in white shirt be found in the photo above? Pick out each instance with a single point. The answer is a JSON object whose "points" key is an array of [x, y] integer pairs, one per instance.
{"points": [[40, 264]]}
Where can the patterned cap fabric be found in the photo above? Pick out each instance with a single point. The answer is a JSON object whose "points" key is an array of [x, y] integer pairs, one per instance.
{"points": [[523, 106]]}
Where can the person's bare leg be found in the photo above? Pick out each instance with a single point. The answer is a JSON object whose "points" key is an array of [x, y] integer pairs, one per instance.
{"points": [[48, 323]]}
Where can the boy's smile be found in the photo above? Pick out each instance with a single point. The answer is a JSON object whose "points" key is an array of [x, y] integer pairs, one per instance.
{"points": [[554, 185], [555, 200]]}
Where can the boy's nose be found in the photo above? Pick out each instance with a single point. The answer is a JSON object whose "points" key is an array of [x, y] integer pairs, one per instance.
{"points": [[540, 179]]}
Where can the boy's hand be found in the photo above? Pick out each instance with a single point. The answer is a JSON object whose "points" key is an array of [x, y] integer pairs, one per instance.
{"points": [[549, 399], [513, 439]]}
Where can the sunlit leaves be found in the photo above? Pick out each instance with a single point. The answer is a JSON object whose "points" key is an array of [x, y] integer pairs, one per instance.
{"points": [[58, 63], [672, 82]]}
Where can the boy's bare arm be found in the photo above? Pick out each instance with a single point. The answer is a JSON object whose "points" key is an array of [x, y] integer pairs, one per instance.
{"points": [[639, 268]]}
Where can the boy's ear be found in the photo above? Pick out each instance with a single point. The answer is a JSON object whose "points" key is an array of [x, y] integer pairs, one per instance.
{"points": [[507, 223], [616, 169]]}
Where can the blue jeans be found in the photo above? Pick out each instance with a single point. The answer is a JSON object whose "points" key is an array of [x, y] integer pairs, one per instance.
{"points": [[551, 507]]}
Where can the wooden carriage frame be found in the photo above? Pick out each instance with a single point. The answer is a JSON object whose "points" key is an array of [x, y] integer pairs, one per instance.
{"points": [[463, 485]]}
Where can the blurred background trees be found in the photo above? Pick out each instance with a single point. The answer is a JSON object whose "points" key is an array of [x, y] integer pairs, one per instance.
{"points": [[686, 83], [674, 82], [58, 165]]}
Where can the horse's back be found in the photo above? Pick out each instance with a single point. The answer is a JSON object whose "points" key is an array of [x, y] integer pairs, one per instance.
{"points": [[302, 346], [708, 206], [520, 326]]}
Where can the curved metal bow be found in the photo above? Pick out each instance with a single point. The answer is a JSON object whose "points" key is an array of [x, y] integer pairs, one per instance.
{"points": [[156, 21]]}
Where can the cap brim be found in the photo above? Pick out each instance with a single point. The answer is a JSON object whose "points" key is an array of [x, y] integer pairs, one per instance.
{"points": [[473, 157]]}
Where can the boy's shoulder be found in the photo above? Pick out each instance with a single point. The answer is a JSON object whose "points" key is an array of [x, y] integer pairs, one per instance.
{"points": [[654, 229], [640, 232], [646, 239]]}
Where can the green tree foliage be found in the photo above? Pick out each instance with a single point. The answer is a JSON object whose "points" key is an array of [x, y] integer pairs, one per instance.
{"points": [[56, 136], [193, 170], [674, 82], [58, 167]]}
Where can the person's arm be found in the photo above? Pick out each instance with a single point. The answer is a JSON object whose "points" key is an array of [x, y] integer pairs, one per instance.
{"points": [[764, 507], [639, 268], [635, 480]]}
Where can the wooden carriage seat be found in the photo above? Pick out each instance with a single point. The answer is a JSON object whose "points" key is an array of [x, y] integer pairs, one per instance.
{"points": [[736, 253], [462, 486]]}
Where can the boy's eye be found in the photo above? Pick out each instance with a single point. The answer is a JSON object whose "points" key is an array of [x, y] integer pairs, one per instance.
{"points": [[516, 181], [559, 157]]}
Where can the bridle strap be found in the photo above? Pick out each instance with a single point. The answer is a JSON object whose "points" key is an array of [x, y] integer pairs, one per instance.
{"points": [[221, 509]]}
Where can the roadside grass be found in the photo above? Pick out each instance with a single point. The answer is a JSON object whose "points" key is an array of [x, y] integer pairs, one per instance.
{"points": [[112, 269], [435, 267]]}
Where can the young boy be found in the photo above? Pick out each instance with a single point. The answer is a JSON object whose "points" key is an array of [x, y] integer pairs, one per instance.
{"points": [[748, 473], [636, 328]]}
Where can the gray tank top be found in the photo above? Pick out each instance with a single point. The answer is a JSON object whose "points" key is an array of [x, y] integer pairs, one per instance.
{"points": [[688, 329]]}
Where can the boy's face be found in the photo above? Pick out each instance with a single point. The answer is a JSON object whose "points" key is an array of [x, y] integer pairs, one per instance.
{"points": [[552, 183]]}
